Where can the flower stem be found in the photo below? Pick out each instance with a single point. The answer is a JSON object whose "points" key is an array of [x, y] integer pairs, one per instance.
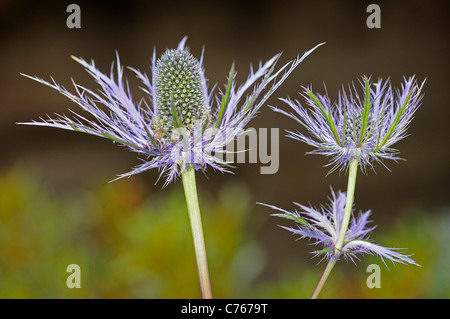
{"points": [[324, 277], [190, 192], [353, 170]]}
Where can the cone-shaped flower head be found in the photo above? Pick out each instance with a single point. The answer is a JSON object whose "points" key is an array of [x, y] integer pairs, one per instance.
{"points": [[357, 126], [184, 125], [179, 84], [322, 226]]}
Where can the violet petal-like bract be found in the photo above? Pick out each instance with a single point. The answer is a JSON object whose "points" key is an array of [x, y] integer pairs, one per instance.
{"points": [[112, 113], [364, 127], [322, 226]]}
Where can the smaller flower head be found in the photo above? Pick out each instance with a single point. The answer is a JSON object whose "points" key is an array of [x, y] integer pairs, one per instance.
{"points": [[357, 127], [323, 225]]}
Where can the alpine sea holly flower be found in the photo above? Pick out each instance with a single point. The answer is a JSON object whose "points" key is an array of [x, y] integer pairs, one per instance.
{"points": [[183, 127], [357, 127], [356, 131], [185, 123], [323, 225]]}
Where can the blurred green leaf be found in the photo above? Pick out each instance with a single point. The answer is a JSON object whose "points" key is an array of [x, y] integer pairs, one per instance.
{"points": [[131, 243]]}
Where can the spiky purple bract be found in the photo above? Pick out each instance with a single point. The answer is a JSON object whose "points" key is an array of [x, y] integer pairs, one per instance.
{"points": [[362, 127], [322, 226], [183, 127]]}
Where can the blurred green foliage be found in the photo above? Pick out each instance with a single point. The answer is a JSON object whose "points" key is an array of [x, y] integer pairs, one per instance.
{"points": [[131, 243], [425, 236]]}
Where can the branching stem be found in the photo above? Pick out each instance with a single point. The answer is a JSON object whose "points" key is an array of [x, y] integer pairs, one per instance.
{"points": [[353, 170]]}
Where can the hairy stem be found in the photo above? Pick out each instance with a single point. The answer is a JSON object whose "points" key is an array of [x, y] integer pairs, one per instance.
{"points": [[190, 191], [353, 170]]}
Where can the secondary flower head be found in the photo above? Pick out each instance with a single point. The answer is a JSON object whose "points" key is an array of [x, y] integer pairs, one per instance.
{"points": [[357, 127], [323, 226], [185, 125]]}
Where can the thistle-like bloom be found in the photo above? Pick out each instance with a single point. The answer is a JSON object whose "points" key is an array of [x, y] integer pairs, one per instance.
{"points": [[322, 226], [185, 125], [357, 127]]}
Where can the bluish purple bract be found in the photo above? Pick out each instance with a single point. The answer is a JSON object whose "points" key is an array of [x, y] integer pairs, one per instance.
{"points": [[183, 124], [322, 226], [362, 126]]}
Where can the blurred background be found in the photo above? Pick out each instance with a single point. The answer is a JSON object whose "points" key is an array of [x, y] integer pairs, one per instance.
{"points": [[131, 238]]}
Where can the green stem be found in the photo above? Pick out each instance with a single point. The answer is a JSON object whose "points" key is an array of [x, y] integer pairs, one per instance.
{"points": [[353, 170], [324, 277], [190, 191]]}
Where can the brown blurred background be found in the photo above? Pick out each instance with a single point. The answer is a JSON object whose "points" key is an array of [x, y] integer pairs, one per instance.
{"points": [[413, 39]]}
